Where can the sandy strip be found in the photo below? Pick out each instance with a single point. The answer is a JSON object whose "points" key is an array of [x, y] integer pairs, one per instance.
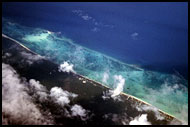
{"points": [[135, 98], [5, 36]]}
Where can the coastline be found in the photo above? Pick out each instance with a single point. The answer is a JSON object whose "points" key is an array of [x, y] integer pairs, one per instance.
{"points": [[86, 78]]}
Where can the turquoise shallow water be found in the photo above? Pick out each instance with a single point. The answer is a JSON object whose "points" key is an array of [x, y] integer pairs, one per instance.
{"points": [[165, 91]]}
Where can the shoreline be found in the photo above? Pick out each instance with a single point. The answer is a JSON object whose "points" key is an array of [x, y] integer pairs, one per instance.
{"points": [[86, 78], [133, 97]]}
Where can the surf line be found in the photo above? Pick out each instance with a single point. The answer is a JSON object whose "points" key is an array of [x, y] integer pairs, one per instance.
{"points": [[133, 97]]}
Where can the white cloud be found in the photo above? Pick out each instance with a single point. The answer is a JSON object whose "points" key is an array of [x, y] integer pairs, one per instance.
{"points": [[17, 105], [36, 85], [18, 96], [31, 58], [179, 106], [150, 108], [77, 110], [86, 17], [119, 81], [6, 55], [105, 77], [96, 23], [134, 35], [38, 90], [176, 86], [82, 14], [106, 95], [115, 117], [61, 96], [10, 23], [95, 29], [140, 120], [66, 67], [175, 122], [84, 82], [77, 11], [106, 116]]}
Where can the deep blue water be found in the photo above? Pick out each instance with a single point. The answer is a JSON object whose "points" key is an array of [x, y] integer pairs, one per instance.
{"points": [[152, 35]]}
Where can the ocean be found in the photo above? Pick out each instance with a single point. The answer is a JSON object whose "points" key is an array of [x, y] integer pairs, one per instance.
{"points": [[145, 43]]}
